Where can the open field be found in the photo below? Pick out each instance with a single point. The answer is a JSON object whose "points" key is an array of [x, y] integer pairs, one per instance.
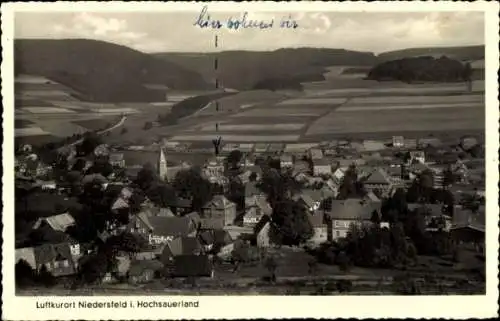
{"points": [[400, 121], [255, 127], [30, 131], [241, 100], [238, 138]]}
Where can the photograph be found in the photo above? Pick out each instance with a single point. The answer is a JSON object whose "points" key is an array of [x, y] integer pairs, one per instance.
{"points": [[231, 151]]}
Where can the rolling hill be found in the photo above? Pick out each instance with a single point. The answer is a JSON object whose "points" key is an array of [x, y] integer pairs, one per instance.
{"points": [[458, 53], [102, 71], [246, 69]]}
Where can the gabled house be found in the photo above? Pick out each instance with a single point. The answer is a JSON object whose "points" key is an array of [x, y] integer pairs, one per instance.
{"points": [[306, 200], [315, 154], [219, 207], [191, 266], [322, 166], [261, 232], [344, 213], [379, 181], [117, 160], [252, 193], [183, 245], [159, 230], [214, 240], [57, 259], [469, 227], [59, 222], [286, 161], [255, 211], [319, 226], [143, 271]]}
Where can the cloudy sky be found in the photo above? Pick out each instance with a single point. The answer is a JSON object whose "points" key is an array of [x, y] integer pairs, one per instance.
{"points": [[164, 32]]}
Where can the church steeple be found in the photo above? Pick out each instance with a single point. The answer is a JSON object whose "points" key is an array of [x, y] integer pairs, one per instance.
{"points": [[162, 165]]}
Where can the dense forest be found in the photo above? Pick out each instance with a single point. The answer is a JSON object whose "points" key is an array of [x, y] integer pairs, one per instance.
{"points": [[422, 69]]}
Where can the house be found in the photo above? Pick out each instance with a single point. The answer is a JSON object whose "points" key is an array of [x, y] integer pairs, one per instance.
{"points": [[252, 193], [220, 207], [26, 254], [48, 185], [398, 141], [372, 146], [56, 258], [467, 142], [255, 211], [181, 206], [158, 230], [167, 212], [144, 271], [379, 182], [117, 160], [417, 156], [469, 227], [371, 197], [286, 161], [322, 167], [410, 143], [244, 178], [301, 166], [344, 213], [191, 266], [59, 222], [315, 154], [215, 223], [215, 240], [319, 226], [429, 141], [193, 216], [306, 200], [184, 245], [261, 232], [239, 231]]}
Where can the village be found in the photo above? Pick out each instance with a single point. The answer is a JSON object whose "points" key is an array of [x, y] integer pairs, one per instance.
{"points": [[252, 215]]}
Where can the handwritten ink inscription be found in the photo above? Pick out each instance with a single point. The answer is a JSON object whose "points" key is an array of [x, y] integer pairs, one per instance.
{"points": [[205, 21]]}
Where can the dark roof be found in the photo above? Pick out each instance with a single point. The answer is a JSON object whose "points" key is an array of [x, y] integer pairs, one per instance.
{"points": [[317, 218], [251, 189], [220, 237], [195, 218], [466, 218], [192, 266], [218, 202], [353, 209], [260, 225], [378, 177], [182, 246], [171, 226], [139, 266], [212, 223], [432, 209], [52, 252]]}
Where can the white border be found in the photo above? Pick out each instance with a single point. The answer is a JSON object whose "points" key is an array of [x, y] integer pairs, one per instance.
{"points": [[246, 307]]}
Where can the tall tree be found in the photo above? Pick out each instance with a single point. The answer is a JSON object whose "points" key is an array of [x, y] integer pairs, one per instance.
{"points": [[234, 158], [192, 185], [291, 224], [146, 177]]}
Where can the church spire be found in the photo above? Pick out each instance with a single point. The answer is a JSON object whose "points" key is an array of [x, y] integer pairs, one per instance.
{"points": [[162, 165]]}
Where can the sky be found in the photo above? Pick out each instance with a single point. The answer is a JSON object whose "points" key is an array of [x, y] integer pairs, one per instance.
{"points": [[176, 32]]}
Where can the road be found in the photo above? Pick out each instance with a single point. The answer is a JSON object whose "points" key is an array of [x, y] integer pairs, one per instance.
{"points": [[118, 124]]}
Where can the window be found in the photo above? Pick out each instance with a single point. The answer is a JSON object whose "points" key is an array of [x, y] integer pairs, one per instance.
{"points": [[66, 263], [337, 233], [56, 264]]}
